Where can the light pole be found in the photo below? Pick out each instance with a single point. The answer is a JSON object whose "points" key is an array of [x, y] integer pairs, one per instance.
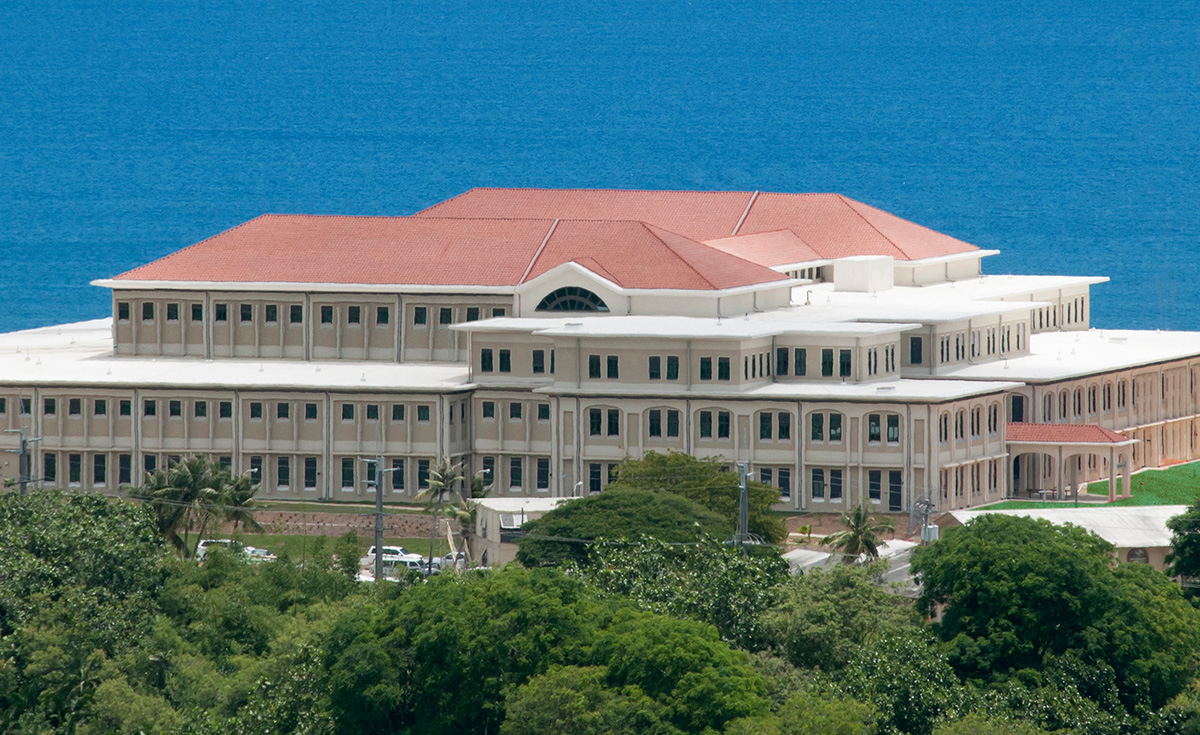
{"points": [[22, 452], [379, 473]]}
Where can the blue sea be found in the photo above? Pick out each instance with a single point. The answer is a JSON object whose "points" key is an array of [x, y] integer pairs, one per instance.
{"points": [[1065, 134]]}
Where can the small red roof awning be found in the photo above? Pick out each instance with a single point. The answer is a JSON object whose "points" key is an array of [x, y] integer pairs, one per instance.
{"points": [[1063, 434]]}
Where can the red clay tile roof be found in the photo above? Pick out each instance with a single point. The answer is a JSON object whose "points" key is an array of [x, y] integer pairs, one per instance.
{"points": [[832, 225], [1063, 434], [436, 251]]}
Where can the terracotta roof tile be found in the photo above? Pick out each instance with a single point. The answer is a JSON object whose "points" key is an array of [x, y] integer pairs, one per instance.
{"points": [[1063, 434], [832, 225], [449, 251]]}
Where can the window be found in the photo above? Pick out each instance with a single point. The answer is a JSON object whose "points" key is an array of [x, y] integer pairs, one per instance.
{"points": [[397, 412], [672, 423], [571, 298], [225, 409], [74, 406], [514, 410], [423, 414], [874, 428], [420, 315], [801, 361], [200, 409], [246, 312], [123, 311], [485, 360], [915, 351], [472, 313], [817, 431], [347, 412], [594, 367], [722, 424], [706, 424], [835, 485], [835, 427], [506, 361], [99, 469], [722, 368], [445, 315], [944, 428], [283, 472], [766, 428], [766, 475], [539, 362], [354, 315], [221, 312], [489, 410], [514, 472], [296, 315], [706, 368], [595, 478], [818, 485], [613, 367], [844, 364], [498, 311], [672, 367], [175, 409], [271, 313], [382, 316], [26, 406], [310, 473], [827, 363], [785, 483], [781, 361], [543, 473], [372, 412], [785, 426], [543, 412], [100, 407], [655, 423], [614, 422], [198, 312], [875, 485], [125, 407], [283, 411], [50, 467], [148, 312], [149, 463], [397, 474], [893, 429], [149, 408], [172, 312], [347, 473], [327, 315], [654, 370]]}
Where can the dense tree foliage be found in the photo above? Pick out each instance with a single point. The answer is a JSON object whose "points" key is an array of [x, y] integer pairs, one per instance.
{"points": [[1024, 595], [560, 537], [706, 483], [1185, 545]]}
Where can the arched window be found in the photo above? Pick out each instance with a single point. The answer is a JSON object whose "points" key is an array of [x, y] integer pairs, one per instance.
{"points": [[572, 298], [1138, 556]]}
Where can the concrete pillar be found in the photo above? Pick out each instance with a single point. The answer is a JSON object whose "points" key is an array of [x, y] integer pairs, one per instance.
{"points": [[1058, 476], [1112, 475]]}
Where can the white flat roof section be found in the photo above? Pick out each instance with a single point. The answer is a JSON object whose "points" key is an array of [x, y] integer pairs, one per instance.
{"points": [[1125, 527], [80, 354], [1056, 356], [517, 505]]}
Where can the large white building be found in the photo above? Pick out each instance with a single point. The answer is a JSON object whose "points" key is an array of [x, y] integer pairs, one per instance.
{"points": [[544, 336]]}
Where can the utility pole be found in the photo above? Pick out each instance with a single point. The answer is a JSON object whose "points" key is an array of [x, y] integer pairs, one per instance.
{"points": [[379, 473], [743, 506], [23, 457]]}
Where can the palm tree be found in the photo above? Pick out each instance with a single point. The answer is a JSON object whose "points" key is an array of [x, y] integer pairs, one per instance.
{"points": [[194, 493], [861, 534], [466, 508], [444, 478]]}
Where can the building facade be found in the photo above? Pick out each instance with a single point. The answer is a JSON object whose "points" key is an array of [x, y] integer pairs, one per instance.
{"points": [[544, 336]]}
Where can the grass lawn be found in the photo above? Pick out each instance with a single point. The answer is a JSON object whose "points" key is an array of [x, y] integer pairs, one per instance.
{"points": [[1178, 485], [298, 545]]}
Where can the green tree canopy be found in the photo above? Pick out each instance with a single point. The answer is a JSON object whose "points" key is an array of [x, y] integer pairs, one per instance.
{"points": [[822, 618], [1185, 545], [1022, 594], [862, 534], [614, 514], [705, 482]]}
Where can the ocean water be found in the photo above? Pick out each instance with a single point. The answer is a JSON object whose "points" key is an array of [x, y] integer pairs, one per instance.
{"points": [[1065, 134]]}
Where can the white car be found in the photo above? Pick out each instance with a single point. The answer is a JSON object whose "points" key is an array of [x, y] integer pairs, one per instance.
{"points": [[205, 544]]}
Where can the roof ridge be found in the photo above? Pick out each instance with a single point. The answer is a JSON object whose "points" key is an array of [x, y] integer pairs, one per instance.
{"points": [[538, 253], [846, 201], [651, 229]]}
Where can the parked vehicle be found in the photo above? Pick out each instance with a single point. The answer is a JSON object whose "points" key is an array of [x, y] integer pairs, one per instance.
{"points": [[204, 545]]}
